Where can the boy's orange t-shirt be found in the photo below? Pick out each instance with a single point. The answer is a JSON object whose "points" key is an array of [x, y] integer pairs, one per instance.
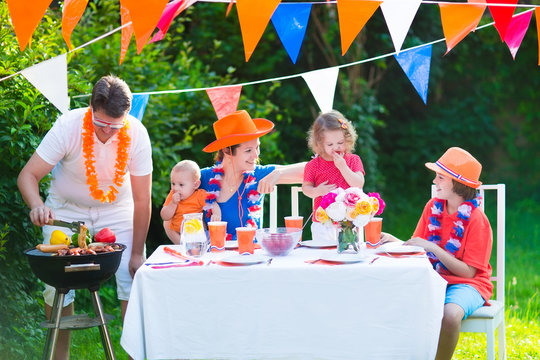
{"points": [[193, 204], [475, 247]]}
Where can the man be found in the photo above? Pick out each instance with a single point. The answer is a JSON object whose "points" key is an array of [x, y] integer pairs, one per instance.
{"points": [[101, 163]]}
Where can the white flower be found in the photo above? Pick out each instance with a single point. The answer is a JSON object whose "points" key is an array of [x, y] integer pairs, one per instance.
{"points": [[340, 194], [336, 211], [361, 220]]}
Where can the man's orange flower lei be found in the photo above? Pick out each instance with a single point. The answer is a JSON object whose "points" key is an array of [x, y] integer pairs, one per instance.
{"points": [[89, 160]]}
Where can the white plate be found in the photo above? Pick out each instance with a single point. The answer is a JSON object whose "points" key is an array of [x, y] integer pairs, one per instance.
{"points": [[231, 244], [317, 244], [400, 249], [343, 258], [245, 259]]}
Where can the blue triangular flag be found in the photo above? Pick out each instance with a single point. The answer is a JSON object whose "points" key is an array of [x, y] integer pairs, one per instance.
{"points": [[138, 105], [290, 21], [416, 64]]}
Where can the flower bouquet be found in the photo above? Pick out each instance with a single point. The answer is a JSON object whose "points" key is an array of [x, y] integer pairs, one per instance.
{"points": [[348, 210]]}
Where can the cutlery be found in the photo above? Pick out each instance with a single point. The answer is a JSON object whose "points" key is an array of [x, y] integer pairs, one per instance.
{"points": [[269, 261], [165, 263], [374, 259]]}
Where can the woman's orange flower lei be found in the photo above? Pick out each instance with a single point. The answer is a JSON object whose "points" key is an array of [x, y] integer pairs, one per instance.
{"points": [[89, 160]]}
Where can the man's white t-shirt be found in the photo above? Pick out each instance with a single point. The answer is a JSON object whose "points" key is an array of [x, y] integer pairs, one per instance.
{"points": [[62, 147]]}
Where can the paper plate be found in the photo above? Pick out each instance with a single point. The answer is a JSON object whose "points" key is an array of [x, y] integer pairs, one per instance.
{"points": [[245, 259], [343, 258], [400, 249], [318, 244]]}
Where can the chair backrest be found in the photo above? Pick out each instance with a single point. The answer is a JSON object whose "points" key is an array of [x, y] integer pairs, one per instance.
{"points": [[295, 190], [499, 235], [273, 208]]}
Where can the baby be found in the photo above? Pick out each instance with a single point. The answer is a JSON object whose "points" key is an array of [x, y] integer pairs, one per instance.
{"points": [[185, 197]]}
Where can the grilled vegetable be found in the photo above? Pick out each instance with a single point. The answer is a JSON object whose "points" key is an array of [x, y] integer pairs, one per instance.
{"points": [[105, 235]]}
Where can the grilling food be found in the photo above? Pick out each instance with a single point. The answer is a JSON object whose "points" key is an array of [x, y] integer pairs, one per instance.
{"points": [[59, 237], [105, 235], [46, 248], [81, 238]]}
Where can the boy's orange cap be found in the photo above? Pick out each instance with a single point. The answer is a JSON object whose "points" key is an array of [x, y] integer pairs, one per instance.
{"points": [[236, 128], [459, 165]]}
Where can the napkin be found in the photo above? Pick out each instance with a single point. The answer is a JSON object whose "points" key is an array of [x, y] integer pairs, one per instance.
{"points": [[191, 263], [322, 262]]}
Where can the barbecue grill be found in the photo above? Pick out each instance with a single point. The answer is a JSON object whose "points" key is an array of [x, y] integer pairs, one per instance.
{"points": [[75, 272]]}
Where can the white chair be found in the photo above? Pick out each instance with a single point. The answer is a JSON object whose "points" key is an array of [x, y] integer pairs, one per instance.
{"points": [[488, 318], [273, 204]]}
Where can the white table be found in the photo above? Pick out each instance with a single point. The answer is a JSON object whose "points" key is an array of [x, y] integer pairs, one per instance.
{"points": [[390, 309]]}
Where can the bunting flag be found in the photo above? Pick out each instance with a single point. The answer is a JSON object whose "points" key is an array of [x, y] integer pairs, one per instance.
{"points": [[537, 16], [502, 15], [399, 15], [353, 15], [458, 20], [224, 99], [50, 78], [516, 31], [72, 12], [138, 105], [172, 10], [416, 63], [322, 84], [254, 15], [290, 21], [144, 16], [25, 17], [127, 32]]}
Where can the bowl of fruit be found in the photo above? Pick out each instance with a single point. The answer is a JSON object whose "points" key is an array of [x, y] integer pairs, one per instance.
{"points": [[278, 241]]}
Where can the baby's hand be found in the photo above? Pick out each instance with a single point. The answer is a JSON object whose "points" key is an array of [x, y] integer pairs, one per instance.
{"points": [[176, 198], [324, 188], [339, 160]]}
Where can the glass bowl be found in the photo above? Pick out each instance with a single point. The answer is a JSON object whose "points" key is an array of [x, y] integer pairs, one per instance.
{"points": [[278, 241]]}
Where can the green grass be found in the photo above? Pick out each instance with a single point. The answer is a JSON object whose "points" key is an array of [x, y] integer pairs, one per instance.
{"points": [[522, 299]]}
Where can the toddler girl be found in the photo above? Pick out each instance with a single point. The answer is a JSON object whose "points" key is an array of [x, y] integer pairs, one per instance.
{"points": [[332, 139]]}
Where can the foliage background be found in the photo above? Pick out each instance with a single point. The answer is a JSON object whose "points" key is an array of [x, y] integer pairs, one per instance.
{"points": [[479, 98]]}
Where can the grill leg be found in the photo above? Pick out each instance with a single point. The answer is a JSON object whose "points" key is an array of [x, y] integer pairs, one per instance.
{"points": [[103, 330], [52, 333]]}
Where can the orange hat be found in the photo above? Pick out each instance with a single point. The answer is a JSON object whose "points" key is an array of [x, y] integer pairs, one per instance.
{"points": [[236, 128], [460, 165]]}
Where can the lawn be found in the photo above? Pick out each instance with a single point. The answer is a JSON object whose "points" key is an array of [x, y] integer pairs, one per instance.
{"points": [[522, 299]]}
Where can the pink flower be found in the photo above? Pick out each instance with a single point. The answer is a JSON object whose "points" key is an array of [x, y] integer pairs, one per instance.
{"points": [[328, 199], [351, 199], [382, 204]]}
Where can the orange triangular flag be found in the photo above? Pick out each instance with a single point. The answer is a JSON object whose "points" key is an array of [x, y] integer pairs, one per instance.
{"points": [[458, 20], [537, 15], [25, 17], [229, 7], [224, 99], [127, 32], [73, 10], [145, 15], [254, 15], [353, 15]]}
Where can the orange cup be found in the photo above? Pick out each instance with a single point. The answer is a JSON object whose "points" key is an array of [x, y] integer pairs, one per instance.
{"points": [[373, 233], [245, 236], [294, 222], [218, 232]]}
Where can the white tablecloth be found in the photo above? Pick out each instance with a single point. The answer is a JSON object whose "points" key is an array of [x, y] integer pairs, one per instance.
{"points": [[390, 309]]}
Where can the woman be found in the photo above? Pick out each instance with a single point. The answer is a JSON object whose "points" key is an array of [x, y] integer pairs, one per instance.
{"points": [[458, 238], [236, 181]]}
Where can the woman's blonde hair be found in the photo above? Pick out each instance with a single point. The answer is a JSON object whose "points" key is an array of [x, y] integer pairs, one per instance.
{"points": [[330, 121]]}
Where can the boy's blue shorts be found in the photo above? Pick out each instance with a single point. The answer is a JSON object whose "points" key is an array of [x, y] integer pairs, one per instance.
{"points": [[466, 296]]}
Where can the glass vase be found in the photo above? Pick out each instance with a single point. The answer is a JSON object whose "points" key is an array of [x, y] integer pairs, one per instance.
{"points": [[348, 241]]}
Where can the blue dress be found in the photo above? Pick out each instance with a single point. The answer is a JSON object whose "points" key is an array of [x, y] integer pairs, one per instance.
{"points": [[230, 211]]}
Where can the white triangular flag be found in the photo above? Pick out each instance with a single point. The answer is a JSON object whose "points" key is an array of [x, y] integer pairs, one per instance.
{"points": [[322, 84], [50, 78], [399, 15]]}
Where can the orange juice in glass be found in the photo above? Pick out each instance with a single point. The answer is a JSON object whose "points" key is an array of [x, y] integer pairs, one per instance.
{"points": [[373, 233], [245, 236], [218, 232], [294, 222]]}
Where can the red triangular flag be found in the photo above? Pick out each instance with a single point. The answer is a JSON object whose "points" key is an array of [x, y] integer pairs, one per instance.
{"points": [[25, 17], [224, 99], [502, 15]]}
